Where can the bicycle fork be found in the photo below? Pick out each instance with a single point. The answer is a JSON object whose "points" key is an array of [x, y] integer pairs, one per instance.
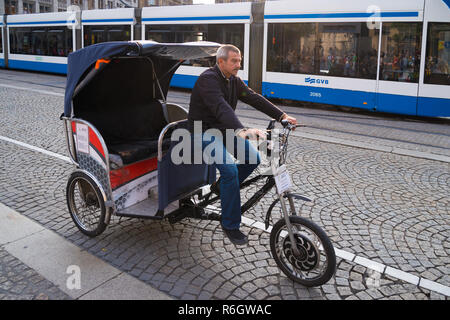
{"points": [[288, 222], [286, 213]]}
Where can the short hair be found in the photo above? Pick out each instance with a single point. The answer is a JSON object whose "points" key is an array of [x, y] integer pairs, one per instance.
{"points": [[224, 50]]}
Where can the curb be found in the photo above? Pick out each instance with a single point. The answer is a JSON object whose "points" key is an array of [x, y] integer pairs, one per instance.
{"points": [[76, 272]]}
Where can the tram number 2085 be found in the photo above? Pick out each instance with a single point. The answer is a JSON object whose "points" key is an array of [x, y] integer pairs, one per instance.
{"points": [[315, 94]]}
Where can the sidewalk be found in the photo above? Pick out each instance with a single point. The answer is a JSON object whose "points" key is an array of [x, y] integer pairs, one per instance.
{"points": [[36, 263]]}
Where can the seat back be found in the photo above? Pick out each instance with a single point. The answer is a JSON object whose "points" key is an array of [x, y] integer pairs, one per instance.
{"points": [[120, 102]]}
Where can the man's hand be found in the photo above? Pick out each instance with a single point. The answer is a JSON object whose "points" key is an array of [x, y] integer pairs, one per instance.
{"points": [[252, 134], [291, 120]]}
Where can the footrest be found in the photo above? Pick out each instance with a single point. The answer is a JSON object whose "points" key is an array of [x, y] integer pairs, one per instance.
{"points": [[147, 209], [194, 212]]}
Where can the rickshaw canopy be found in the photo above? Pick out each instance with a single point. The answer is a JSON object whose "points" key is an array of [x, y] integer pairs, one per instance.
{"points": [[153, 62]]}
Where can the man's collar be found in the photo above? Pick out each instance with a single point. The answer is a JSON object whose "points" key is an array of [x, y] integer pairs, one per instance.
{"points": [[220, 71]]}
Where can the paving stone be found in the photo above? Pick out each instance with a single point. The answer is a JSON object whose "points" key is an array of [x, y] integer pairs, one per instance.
{"points": [[357, 285], [344, 291]]}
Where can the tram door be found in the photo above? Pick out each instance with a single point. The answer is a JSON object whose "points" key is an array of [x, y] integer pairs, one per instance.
{"points": [[398, 81], [434, 93]]}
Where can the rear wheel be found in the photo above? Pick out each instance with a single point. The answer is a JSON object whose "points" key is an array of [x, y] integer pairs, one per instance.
{"points": [[316, 262], [86, 205]]}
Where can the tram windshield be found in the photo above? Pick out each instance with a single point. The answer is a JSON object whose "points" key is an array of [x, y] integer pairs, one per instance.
{"points": [[438, 54]]}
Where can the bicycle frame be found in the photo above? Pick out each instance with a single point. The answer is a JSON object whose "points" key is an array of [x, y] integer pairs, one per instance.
{"points": [[208, 199]]}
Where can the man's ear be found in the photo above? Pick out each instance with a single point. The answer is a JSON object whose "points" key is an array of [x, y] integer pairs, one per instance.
{"points": [[221, 60]]}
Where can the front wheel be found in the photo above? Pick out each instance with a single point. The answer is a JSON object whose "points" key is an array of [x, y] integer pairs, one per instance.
{"points": [[316, 262]]}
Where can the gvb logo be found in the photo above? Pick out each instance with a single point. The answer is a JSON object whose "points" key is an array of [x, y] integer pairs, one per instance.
{"points": [[74, 280], [316, 81], [73, 19]]}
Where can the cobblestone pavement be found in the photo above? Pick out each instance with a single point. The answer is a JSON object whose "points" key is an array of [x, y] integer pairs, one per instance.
{"points": [[19, 282], [389, 208]]}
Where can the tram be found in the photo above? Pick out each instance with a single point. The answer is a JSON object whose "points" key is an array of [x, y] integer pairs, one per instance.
{"points": [[388, 56], [377, 55]]}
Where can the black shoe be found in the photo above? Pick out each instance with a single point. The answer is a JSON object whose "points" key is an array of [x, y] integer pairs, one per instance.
{"points": [[236, 236], [215, 187]]}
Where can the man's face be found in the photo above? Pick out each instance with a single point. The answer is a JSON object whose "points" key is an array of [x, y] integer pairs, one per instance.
{"points": [[232, 65]]}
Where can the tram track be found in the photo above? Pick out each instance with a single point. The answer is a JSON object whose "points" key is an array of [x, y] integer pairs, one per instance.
{"points": [[357, 134]]}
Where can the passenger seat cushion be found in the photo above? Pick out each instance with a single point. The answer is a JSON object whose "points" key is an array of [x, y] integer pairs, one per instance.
{"points": [[136, 150]]}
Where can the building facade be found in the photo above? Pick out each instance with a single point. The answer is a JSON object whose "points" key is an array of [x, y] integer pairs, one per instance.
{"points": [[37, 6]]}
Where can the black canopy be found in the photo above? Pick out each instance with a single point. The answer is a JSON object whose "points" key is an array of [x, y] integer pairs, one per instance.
{"points": [[144, 64]]}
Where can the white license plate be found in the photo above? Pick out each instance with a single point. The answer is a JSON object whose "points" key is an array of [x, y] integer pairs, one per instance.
{"points": [[283, 180]]}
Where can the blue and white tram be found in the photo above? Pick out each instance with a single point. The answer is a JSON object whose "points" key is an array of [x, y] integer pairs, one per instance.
{"points": [[434, 83], [107, 25], [330, 51], [222, 23], [2, 45], [41, 42]]}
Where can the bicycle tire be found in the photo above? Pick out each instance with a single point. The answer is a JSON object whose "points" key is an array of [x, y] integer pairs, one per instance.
{"points": [[327, 248], [96, 199]]}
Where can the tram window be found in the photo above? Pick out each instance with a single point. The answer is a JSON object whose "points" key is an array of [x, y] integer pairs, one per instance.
{"points": [[97, 34], [333, 49], [54, 41], [39, 41], [400, 51], [59, 41], [20, 40], [220, 33], [438, 54], [119, 33], [1, 39]]}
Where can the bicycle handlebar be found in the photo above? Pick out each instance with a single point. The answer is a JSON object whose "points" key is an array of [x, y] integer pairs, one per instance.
{"points": [[285, 123]]}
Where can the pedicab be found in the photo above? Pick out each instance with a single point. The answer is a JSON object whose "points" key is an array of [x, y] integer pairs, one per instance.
{"points": [[118, 125]]}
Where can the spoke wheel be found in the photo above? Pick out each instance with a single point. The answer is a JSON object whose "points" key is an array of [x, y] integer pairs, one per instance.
{"points": [[86, 205]]}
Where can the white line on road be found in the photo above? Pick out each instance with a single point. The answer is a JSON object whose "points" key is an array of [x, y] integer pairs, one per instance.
{"points": [[29, 146], [370, 264]]}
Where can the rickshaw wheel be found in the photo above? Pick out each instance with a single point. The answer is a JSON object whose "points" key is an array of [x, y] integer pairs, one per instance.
{"points": [[315, 264], [86, 204]]}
